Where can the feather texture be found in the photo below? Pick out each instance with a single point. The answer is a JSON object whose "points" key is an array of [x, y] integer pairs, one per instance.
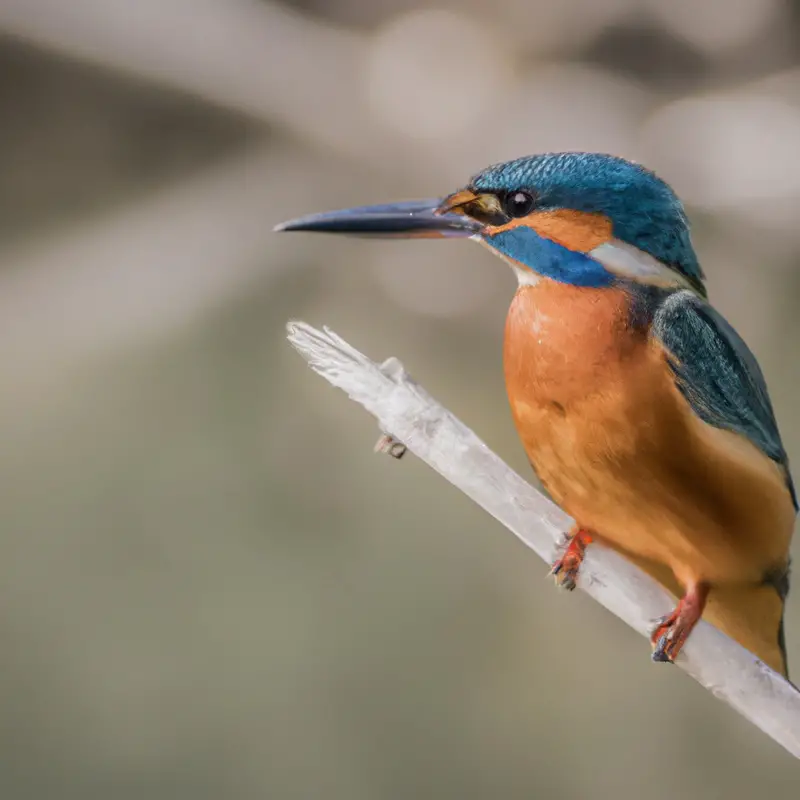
{"points": [[718, 374]]}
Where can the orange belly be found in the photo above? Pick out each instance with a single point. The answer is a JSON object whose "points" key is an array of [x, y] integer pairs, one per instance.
{"points": [[618, 447]]}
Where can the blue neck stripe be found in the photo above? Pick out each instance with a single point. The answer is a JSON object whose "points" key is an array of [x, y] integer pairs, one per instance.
{"points": [[550, 259]]}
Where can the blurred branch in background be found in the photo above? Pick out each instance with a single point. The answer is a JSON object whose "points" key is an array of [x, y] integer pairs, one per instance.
{"points": [[129, 276], [243, 56]]}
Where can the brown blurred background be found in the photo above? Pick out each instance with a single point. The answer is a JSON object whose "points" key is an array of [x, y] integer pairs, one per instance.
{"points": [[210, 587]]}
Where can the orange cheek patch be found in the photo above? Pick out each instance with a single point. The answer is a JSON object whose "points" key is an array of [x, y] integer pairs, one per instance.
{"points": [[576, 230]]}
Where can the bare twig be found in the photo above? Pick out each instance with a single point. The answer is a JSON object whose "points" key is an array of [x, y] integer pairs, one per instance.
{"points": [[410, 415]]}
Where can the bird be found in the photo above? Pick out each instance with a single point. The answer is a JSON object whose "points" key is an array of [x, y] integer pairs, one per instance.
{"points": [[642, 411]]}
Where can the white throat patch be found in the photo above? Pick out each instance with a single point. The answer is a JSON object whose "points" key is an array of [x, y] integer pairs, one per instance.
{"points": [[525, 275]]}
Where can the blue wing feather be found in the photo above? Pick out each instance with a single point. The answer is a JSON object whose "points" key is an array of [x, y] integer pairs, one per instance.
{"points": [[718, 374]]}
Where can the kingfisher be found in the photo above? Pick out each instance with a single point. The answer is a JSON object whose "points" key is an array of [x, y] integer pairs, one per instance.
{"points": [[643, 413]]}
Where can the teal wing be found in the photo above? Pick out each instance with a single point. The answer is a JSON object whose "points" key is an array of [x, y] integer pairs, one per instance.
{"points": [[718, 374]]}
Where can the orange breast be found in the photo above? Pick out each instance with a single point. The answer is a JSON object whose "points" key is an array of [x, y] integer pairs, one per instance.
{"points": [[572, 366], [618, 447], [565, 342]]}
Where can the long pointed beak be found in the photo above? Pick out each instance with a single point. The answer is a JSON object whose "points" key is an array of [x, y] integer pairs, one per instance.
{"points": [[417, 219]]}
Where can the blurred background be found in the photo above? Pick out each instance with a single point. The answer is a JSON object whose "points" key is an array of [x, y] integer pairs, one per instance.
{"points": [[209, 585]]}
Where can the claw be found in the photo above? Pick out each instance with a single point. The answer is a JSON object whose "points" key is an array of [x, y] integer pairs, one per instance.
{"points": [[670, 632], [567, 567], [659, 653]]}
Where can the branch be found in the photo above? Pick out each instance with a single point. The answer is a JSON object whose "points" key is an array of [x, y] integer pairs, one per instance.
{"points": [[406, 412]]}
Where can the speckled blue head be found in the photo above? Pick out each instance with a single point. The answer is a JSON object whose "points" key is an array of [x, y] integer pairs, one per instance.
{"points": [[643, 210]]}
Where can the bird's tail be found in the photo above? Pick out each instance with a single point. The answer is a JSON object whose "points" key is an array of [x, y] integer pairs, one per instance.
{"points": [[753, 616]]}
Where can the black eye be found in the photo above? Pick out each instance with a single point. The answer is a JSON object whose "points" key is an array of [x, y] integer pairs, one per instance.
{"points": [[518, 204]]}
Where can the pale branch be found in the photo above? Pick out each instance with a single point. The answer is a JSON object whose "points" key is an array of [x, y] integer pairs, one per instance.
{"points": [[409, 415]]}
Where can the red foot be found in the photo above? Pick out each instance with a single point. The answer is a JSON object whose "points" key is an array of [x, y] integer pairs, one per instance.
{"points": [[670, 632], [567, 567]]}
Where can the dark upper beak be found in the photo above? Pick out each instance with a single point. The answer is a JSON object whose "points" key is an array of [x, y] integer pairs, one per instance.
{"points": [[411, 220]]}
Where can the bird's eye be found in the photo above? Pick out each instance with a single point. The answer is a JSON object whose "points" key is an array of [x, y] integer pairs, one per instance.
{"points": [[518, 204]]}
